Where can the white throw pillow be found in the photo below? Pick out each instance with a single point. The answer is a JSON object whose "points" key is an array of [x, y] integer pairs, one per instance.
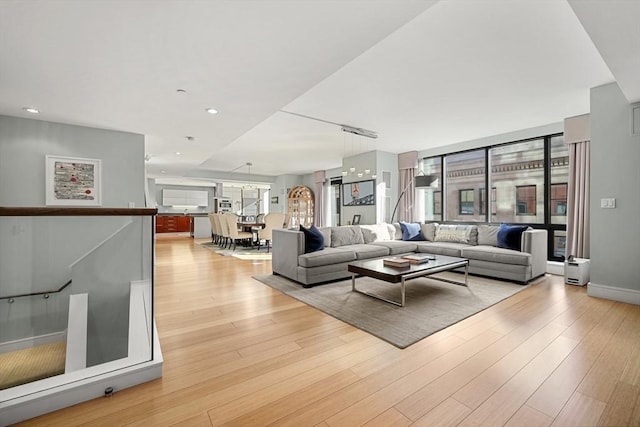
{"points": [[375, 233]]}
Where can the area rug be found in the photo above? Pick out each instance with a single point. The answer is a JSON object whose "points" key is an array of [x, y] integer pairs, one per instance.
{"points": [[430, 306], [240, 253]]}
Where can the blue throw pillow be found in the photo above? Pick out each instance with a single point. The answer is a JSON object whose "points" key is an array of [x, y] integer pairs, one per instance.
{"points": [[510, 236], [313, 239], [411, 231]]}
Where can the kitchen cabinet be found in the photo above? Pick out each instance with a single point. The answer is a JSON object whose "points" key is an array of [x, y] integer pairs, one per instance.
{"points": [[185, 198], [173, 223]]}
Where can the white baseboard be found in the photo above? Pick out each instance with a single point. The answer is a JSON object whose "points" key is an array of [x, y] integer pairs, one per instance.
{"points": [[30, 342], [630, 296], [555, 268]]}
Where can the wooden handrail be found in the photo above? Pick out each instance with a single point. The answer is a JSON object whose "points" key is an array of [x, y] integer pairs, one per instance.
{"points": [[67, 211], [10, 297]]}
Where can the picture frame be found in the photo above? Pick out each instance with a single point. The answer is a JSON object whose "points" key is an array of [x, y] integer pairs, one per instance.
{"points": [[73, 181], [274, 200], [361, 193], [355, 220]]}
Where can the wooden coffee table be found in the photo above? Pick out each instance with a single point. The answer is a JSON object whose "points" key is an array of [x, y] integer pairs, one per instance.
{"points": [[377, 270]]}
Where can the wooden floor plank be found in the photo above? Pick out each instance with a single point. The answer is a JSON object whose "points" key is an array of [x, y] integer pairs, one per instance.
{"points": [[422, 401], [558, 388], [448, 413], [506, 401], [580, 411], [621, 405], [228, 340], [529, 417]]}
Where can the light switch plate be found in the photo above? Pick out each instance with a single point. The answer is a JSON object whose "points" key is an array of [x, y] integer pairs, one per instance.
{"points": [[609, 203]]}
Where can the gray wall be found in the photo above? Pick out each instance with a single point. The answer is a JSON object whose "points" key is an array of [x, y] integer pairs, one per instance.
{"points": [[24, 143], [387, 162], [279, 188], [360, 162], [615, 173]]}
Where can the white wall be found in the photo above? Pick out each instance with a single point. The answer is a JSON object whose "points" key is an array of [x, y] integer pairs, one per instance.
{"points": [[615, 173]]}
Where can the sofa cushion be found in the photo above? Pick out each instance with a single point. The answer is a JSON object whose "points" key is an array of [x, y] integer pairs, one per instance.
{"points": [[375, 233], [313, 239], [411, 231], [325, 257], [488, 235], [457, 234], [397, 246], [429, 231], [510, 236], [499, 255], [346, 235], [442, 248], [367, 251]]}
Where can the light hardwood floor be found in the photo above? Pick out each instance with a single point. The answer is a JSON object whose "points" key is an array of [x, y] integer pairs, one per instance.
{"points": [[239, 353]]}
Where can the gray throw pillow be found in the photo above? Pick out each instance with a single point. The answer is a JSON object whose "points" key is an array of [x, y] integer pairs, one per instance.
{"points": [[346, 235], [429, 231], [488, 235]]}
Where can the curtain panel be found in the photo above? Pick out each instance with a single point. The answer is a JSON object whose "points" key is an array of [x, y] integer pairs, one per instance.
{"points": [[577, 134], [318, 214], [578, 201], [407, 165]]}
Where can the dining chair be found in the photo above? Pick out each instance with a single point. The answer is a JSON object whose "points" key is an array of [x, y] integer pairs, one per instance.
{"points": [[234, 234], [224, 229], [214, 229], [271, 221], [219, 229]]}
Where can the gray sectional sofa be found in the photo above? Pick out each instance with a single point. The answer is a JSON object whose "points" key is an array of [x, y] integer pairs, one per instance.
{"points": [[345, 244]]}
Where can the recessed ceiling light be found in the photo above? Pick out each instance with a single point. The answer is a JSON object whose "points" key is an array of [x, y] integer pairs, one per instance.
{"points": [[211, 111], [189, 138], [163, 171], [31, 110], [181, 91], [178, 153]]}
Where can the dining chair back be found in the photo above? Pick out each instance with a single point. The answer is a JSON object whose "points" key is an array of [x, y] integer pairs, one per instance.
{"points": [[271, 221]]}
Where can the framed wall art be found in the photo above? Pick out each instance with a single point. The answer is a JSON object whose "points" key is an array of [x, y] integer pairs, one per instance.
{"points": [[72, 181], [358, 193]]}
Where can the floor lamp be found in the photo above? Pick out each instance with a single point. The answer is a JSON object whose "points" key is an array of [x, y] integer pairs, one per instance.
{"points": [[422, 181]]}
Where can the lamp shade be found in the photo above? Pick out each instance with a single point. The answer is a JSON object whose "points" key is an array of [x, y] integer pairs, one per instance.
{"points": [[425, 180]]}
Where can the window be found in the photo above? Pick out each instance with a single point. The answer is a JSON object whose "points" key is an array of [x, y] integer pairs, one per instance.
{"points": [[466, 202], [526, 200], [528, 182], [483, 207], [559, 242], [429, 199], [514, 166], [559, 166], [558, 199], [465, 173], [437, 202]]}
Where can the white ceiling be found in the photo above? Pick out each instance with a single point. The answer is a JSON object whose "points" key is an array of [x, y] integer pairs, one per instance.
{"points": [[420, 73]]}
